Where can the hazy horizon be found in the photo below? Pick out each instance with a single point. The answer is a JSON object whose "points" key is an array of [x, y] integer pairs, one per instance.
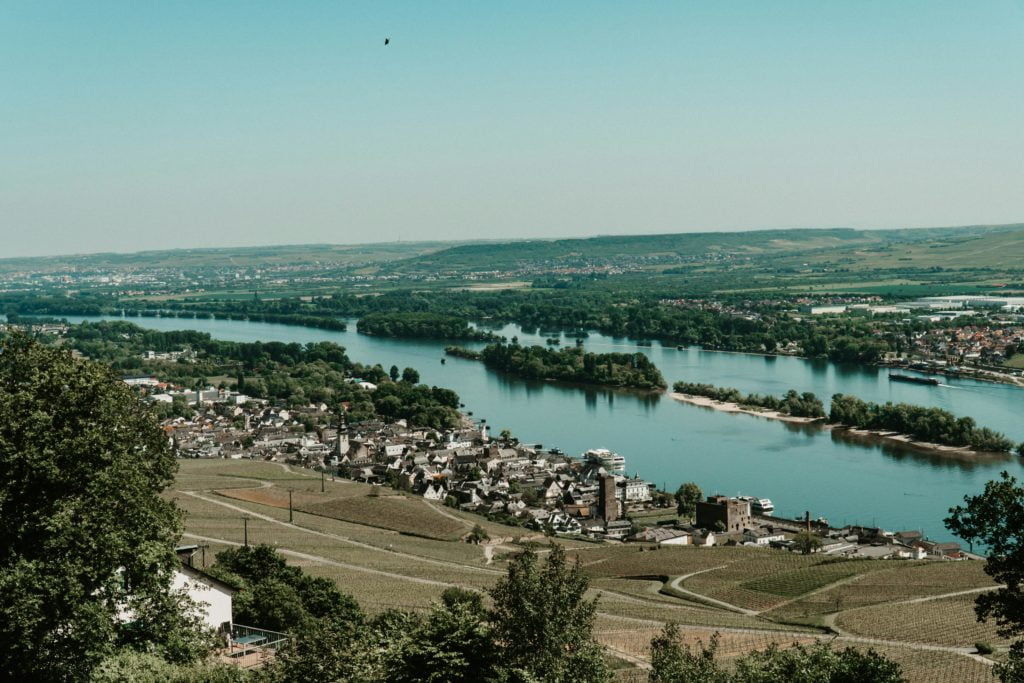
{"points": [[128, 127]]}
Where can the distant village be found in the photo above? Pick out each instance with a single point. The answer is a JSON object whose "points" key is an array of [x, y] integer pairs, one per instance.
{"points": [[508, 481]]}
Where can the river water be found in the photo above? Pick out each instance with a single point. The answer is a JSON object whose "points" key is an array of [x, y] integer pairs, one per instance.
{"points": [[800, 468]]}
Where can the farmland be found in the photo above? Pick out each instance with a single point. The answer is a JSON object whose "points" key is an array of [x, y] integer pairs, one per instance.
{"points": [[393, 551]]}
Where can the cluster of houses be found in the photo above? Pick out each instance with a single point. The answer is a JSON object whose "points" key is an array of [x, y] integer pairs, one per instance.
{"points": [[723, 520], [506, 480], [968, 344]]}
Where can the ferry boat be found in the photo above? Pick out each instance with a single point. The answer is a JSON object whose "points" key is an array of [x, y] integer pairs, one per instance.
{"points": [[759, 506], [931, 381], [610, 460]]}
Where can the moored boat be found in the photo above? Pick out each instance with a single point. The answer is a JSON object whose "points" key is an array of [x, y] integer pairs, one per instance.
{"points": [[913, 380]]}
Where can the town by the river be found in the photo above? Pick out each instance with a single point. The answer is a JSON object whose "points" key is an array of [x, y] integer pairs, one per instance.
{"points": [[801, 468]]}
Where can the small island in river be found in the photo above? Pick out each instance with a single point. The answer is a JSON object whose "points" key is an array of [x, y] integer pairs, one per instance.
{"points": [[622, 370], [923, 428]]}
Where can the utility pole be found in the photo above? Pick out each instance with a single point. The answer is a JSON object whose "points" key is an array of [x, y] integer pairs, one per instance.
{"points": [[245, 526], [322, 475], [289, 506]]}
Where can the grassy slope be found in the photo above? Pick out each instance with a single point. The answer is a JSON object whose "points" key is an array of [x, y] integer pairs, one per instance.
{"points": [[383, 557]]}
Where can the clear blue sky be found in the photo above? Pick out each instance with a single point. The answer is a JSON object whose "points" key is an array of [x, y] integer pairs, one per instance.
{"points": [[138, 125]]}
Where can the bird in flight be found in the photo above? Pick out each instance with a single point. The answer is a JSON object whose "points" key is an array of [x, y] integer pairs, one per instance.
{"points": [[387, 40]]}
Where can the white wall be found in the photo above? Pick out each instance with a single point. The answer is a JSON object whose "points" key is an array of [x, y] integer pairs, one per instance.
{"points": [[214, 603]]}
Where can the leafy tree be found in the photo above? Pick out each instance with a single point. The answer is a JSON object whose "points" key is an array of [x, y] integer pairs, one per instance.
{"points": [[85, 533], [995, 518], [807, 542], [325, 650], [453, 644], [461, 596], [671, 662], [280, 597], [271, 604], [147, 667], [816, 664], [687, 497], [542, 623], [394, 373], [410, 376], [479, 534]]}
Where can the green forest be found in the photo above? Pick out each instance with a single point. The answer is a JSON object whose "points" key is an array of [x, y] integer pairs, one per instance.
{"points": [[627, 370], [420, 325]]}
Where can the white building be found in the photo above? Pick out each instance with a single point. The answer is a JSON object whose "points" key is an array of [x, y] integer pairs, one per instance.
{"points": [[213, 597]]}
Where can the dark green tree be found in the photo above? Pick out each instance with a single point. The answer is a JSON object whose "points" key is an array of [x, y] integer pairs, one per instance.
{"points": [[807, 542], [85, 533], [542, 623], [995, 519], [394, 373], [672, 662], [280, 597], [325, 650], [818, 663], [410, 376], [687, 497], [452, 645]]}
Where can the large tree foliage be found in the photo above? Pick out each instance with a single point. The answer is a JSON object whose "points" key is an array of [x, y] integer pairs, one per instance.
{"points": [[672, 662], [687, 496], [280, 597], [995, 519], [925, 423], [574, 365], [542, 623], [85, 535]]}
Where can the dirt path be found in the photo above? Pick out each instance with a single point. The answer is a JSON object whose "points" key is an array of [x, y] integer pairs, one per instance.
{"points": [[674, 584], [342, 539], [925, 647], [334, 563], [445, 513], [840, 582], [927, 598]]}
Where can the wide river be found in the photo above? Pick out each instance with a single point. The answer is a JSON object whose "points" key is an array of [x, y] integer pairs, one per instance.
{"points": [[669, 442]]}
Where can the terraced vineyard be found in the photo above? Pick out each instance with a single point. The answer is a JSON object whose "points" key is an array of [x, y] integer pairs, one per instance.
{"points": [[900, 581], [392, 551], [397, 513], [945, 621]]}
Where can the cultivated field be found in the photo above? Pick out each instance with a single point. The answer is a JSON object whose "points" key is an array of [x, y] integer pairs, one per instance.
{"points": [[393, 551]]}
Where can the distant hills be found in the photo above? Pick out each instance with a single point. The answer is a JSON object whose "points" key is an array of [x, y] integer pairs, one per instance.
{"points": [[453, 257], [668, 247]]}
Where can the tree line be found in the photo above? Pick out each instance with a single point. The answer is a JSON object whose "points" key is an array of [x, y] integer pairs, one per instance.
{"points": [[627, 370], [289, 374], [791, 403], [933, 425], [419, 325], [637, 314]]}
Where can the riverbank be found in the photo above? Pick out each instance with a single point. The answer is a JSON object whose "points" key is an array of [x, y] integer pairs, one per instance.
{"points": [[727, 407], [855, 435]]}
